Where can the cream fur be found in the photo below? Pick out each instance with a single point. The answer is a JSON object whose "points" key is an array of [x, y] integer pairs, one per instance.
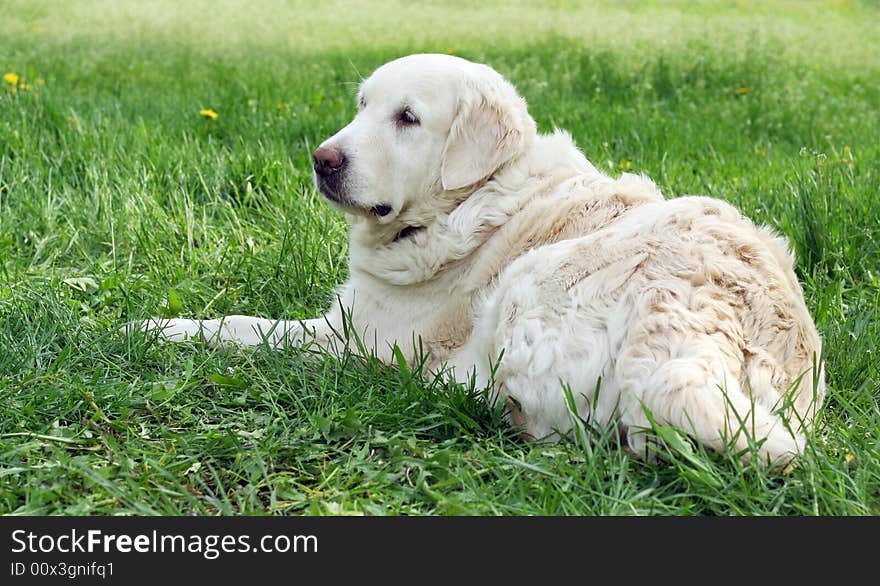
{"points": [[679, 308]]}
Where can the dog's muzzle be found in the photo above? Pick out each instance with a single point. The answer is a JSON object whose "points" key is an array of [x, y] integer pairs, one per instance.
{"points": [[329, 161], [329, 164]]}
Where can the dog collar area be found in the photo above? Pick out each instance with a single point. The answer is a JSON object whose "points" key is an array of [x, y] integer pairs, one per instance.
{"points": [[407, 232], [381, 211]]}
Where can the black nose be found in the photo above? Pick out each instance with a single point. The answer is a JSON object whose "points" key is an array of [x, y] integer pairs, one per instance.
{"points": [[328, 160]]}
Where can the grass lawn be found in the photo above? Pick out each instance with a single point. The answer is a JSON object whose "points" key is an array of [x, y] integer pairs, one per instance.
{"points": [[119, 201]]}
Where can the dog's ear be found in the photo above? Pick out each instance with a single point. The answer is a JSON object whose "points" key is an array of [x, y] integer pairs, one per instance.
{"points": [[491, 126]]}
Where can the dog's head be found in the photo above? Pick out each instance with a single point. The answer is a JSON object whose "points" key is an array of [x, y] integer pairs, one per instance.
{"points": [[429, 129]]}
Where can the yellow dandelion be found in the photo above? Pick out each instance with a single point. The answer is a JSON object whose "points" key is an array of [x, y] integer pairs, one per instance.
{"points": [[11, 78], [209, 114], [742, 90], [24, 86], [849, 457], [625, 165]]}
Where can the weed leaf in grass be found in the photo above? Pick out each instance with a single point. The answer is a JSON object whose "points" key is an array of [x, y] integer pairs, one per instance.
{"points": [[173, 305]]}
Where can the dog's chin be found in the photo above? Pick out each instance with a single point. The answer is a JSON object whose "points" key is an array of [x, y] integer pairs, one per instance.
{"points": [[347, 204], [336, 195]]}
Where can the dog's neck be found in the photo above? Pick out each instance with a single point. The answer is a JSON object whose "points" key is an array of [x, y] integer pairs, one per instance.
{"points": [[406, 233]]}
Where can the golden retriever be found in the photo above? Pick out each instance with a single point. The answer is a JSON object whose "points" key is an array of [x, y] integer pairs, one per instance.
{"points": [[506, 255]]}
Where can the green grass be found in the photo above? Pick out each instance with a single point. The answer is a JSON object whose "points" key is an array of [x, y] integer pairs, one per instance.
{"points": [[119, 201]]}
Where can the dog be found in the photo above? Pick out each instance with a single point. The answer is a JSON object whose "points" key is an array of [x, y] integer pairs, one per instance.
{"points": [[504, 257]]}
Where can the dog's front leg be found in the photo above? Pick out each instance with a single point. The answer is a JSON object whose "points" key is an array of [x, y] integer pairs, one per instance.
{"points": [[240, 330]]}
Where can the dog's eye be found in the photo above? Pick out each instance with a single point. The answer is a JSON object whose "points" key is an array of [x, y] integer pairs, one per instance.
{"points": [[406, 118], [362, 103]]}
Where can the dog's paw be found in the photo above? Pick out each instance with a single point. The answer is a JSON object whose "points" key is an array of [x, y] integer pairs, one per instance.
{"points": [[231, 330]]}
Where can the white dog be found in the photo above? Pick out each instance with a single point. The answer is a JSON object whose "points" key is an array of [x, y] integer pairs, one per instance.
{"points": [[505, 254]]}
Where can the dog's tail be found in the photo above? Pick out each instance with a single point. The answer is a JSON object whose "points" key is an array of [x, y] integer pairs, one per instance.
{"points": [[699, 383]]}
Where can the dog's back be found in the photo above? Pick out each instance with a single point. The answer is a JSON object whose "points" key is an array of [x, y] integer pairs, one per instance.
{"points": [[679, 310]]}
